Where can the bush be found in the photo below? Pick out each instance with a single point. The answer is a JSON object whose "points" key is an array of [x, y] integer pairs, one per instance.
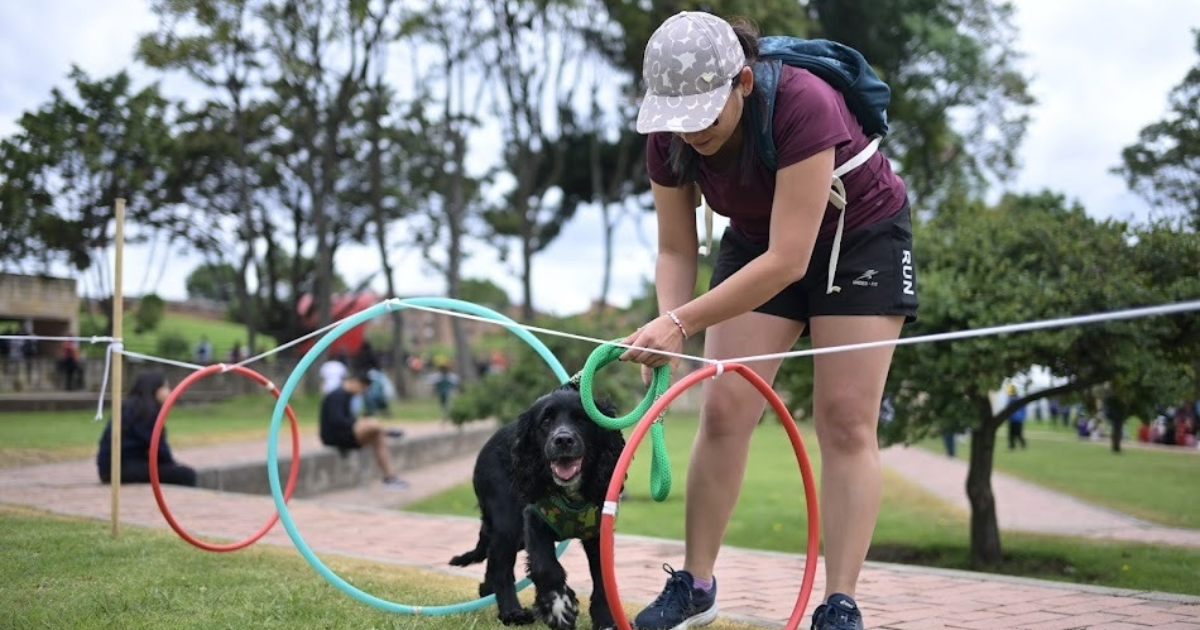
{"points": [[173, 345], [149, 315], [505, 395]]}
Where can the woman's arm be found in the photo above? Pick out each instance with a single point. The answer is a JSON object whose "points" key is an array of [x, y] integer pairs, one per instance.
{"points": [[801, 195], [675, 269]]}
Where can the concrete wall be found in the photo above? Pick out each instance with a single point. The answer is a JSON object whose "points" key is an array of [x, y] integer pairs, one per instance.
{"points": [[327, 470]]}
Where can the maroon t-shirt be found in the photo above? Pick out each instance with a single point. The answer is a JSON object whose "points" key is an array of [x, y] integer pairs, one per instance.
{"points": [[810, 116]]}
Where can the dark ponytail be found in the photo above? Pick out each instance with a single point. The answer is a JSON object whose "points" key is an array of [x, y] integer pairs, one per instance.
{"points": [[683, 158]]}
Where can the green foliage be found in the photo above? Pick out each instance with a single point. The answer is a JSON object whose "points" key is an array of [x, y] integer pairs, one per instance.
{"points": [[149, 314], [173, 345], [71, 159], [507, 394], [1162, 166], [484, 293]]}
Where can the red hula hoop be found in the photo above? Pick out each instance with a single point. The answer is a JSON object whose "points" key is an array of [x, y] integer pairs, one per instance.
{"points": [[608, 514], [156, 437]]}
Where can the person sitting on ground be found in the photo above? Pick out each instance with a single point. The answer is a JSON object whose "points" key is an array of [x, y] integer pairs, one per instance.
{"points": [[345, 432], [139, 411]]}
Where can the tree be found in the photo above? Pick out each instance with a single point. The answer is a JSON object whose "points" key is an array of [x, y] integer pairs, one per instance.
{"points": [[215, 44], [215, 281], [1163, 167], [324, 52], [149, 314], [69, 162], [1030, 258], [484, 293], [945, 60]]}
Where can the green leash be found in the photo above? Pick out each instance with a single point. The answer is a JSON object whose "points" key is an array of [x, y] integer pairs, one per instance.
{"points": [[660, 468]]}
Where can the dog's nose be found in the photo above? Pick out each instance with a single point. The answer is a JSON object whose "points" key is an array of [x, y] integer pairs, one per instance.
{"points": [[564, 439]]}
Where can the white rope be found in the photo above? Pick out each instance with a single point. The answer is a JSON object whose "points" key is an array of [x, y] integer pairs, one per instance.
{"points": [[287, 345], [547, 331], [1133, 313], [115, 346], [146, 357], [92, 339]]}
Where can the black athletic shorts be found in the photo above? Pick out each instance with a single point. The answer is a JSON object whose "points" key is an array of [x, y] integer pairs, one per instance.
{"points": [[875, 271]]}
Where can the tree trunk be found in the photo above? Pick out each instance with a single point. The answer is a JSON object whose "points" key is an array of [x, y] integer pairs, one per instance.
{"points": [[985, 528], [1118, 430], [396, 350], [454, 258]]}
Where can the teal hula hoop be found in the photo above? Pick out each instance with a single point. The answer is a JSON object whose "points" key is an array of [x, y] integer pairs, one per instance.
{"points": [[289, 387]]}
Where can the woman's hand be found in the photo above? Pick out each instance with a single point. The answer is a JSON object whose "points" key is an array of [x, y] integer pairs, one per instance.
{"points": [[659, 334]]}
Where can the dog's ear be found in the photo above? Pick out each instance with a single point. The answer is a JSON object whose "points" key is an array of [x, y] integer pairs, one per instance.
{"points": [[608, 445], [529, 472]]}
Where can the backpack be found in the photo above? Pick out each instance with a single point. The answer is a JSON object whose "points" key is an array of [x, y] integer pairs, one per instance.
{"points": [[841, 66]]}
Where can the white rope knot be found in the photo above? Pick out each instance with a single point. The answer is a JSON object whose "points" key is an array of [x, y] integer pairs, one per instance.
{"points": [[720, 370], [270, 385], [115, 346], [225, 367]]}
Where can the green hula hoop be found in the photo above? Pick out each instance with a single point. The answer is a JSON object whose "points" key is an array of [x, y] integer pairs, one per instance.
{"points": [[289, 387], [660, 467]]}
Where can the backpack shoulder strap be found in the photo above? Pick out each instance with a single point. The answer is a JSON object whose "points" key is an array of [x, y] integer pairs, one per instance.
{"points": [[766, 82]]}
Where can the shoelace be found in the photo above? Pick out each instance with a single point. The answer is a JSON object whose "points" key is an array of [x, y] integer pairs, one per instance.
{"points": [[677, 589]]}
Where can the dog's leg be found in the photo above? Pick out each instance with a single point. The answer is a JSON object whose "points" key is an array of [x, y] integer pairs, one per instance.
{"points": [[555, 603], [499, 580], [602, 617]]}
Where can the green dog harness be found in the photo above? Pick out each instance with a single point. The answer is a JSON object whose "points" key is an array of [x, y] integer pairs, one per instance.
{"points": [[569, 520]]}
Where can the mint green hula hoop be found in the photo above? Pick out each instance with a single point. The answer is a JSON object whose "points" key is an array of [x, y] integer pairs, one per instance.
{"points": [[289, 387]]}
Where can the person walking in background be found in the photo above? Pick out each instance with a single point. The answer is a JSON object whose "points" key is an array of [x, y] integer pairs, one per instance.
{"points": [[204, 351], [1016, 423], [139, 412], [68, 365], [444, 383], [333, 372]]}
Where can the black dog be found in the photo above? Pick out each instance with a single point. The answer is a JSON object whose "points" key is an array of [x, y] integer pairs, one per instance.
{"points": [[540, 480]]}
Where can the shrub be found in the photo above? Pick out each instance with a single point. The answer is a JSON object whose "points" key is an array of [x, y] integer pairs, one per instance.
{"points": [[173, 345]]}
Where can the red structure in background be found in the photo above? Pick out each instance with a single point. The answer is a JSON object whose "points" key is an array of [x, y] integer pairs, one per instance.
{"points": [[344, 306]]}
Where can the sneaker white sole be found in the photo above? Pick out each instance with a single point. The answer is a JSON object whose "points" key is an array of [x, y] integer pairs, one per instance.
{"points": [[703, 619]]}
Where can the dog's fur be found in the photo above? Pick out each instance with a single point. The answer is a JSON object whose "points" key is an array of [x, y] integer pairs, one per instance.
{"points": [[515, 470]]}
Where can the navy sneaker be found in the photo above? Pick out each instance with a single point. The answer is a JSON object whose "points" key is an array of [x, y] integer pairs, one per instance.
{"points": [[680, 605], [839, 612]]}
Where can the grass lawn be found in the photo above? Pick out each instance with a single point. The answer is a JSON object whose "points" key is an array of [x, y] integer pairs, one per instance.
{"points": [[914, 526], [1154, 484], [221, 334], [70, 574], [45, 436]]}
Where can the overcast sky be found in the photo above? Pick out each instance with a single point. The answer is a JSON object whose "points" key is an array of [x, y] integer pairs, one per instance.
{"points": [[1101, 71]]}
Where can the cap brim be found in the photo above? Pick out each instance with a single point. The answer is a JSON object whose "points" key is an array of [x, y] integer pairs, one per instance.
{"points": [[681, 114]]}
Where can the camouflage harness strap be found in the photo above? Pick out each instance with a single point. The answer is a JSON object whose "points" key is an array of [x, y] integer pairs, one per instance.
{"points": [[569, 520]]}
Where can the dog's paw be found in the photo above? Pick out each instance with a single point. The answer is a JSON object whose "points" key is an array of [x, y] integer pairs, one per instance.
{"points": [[602, 618], [518, 617], [558, 609]]}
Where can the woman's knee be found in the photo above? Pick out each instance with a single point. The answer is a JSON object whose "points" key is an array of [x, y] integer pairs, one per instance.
{"points": [[728, 413], [847, 423]]}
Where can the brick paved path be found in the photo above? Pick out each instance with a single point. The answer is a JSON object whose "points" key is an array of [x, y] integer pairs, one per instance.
{"points": [[756, 586]]}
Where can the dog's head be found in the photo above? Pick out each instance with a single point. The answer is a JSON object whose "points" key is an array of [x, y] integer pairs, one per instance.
{"points": [[559, 448]]}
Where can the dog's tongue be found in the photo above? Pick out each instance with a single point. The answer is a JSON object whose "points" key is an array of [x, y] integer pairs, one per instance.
{"points": [[566, 468]]}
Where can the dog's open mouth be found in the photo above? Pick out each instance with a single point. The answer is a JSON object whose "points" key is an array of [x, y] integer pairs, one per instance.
{"points": [[566, 468]]}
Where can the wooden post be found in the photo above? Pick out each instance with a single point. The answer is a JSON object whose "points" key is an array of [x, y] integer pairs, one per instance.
{"points": [[118, 324]]}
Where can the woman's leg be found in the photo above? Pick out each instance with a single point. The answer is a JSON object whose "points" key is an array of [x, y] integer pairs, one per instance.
{"points": [[847, 392], [730, 410]]}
